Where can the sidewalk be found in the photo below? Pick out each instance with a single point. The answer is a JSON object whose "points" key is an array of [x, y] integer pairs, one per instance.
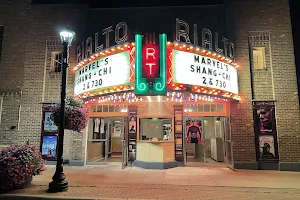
{"points": [[111, 182]]}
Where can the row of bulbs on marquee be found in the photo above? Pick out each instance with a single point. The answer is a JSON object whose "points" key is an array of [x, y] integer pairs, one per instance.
{"points": [[128, 46], [206, 52], [171, 96], [180, 87]]}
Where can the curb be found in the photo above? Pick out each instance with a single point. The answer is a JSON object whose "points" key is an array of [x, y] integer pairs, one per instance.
{"points": [[37, 197]]}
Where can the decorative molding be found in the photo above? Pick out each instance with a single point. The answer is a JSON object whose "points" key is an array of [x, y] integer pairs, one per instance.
{"points": [[54, 75], [53, 41], [11, 93], [259, 36]]}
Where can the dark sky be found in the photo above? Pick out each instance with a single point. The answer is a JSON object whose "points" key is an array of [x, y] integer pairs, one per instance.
{"points": [[134, 3]]}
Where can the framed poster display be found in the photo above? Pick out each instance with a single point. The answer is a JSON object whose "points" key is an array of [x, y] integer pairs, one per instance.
{"points": [[49, 135], [49, 125], [266, 146], [131, 151], [49, 146], [132, 134], [265, 131], [178, 133]]}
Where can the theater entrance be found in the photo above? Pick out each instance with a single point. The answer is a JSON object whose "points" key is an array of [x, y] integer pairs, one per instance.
{"points": [[207, 142], [107, 141]]}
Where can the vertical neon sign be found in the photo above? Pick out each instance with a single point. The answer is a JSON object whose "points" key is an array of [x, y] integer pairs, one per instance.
{"points": [[150, 67]]}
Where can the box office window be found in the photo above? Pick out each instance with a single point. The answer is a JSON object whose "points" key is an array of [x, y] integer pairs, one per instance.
{"points": [[160, 128], [259, 58], [1, 38]]}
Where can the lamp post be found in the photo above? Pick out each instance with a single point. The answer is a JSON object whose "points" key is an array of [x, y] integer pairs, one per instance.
{"points": [[59, 182]]}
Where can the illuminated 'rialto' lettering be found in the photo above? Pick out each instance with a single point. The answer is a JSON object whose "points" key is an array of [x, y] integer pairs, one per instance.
{"points": [[207, 39], [89, 47]]}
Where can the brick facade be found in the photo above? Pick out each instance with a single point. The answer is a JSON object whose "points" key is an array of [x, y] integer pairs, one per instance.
{"points": [[30, 36], [25, 77], [278, 82]]}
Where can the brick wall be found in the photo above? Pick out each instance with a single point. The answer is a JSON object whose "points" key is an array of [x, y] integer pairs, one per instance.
{"points": [[273, 16], [24, 66]]}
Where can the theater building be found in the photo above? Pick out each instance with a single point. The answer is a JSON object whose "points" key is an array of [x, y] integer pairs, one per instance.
{"points": [[206, 85]]}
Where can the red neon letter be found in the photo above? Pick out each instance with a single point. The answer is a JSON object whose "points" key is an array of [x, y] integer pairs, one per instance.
{"points": [[150, 67], [150, 52]]}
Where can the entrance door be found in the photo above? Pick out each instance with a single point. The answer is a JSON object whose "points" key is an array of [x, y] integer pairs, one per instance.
{"points": [[97, 144], [125, 142], [228, 143], [194, 143]]}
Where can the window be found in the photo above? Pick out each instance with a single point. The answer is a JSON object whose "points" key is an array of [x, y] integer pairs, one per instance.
{"points": [[259, 58], [56, 61], [1, 38], [220, 108], [160, 128]]}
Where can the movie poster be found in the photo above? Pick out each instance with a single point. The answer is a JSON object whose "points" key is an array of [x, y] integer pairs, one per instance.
{"points": [[266, 144], [265, 120], [49, 145], [48, 123], [132, 122], [193, 129]]}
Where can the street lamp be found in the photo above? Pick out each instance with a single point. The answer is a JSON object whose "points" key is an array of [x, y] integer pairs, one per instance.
{"points": [[59, 182]]}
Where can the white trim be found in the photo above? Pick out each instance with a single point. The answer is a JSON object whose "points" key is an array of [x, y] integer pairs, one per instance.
{"points": [[19, 117], [1, 105]]}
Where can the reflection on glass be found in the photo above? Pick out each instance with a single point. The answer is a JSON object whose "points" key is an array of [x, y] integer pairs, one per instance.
{"points": [[160, 128], [213, 107], [99, 108], [93, 109], [48, 123], [118, 108], [220, 108], [111, 108], [200, 108], [206, 108], [105, 109]]}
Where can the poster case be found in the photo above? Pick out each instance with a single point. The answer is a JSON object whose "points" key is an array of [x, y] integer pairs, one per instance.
{"points": [[265, 131], [49, 147]]}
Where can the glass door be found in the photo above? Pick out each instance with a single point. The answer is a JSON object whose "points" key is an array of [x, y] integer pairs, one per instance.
{"points": [[97, 142], [125, 142], [109, 139], [228, 143], [194, 142]]}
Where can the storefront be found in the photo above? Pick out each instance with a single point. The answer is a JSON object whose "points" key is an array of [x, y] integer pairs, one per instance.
{"points": [[156, 103]]}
